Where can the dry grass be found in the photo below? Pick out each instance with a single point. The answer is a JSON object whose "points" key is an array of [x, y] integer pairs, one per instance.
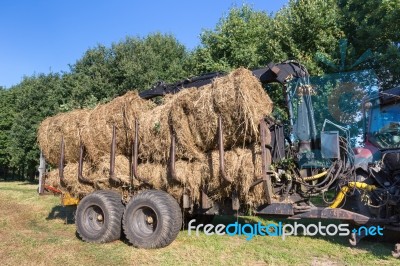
{"points": [[33, 232]]}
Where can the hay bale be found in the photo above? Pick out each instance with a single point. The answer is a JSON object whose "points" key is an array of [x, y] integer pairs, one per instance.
{"points": [[192, 176], [154, 174], [51, 130], [242, 107], [155, 134], [251, 170], [101, 170], [238, 98], [121, 112], [53, 179], [192, 114], [243, 166], [213, 182], [192, 117], [74, 187]]}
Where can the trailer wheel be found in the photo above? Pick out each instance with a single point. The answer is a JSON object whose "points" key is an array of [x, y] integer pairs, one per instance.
{"points": [[152, 219], [98, 217]]}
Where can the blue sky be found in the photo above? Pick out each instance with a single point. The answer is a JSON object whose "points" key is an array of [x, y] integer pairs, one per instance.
{"points": [[46, 36]]}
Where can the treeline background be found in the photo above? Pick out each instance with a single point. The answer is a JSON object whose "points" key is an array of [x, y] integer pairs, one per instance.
{"points": [[243, 37]]}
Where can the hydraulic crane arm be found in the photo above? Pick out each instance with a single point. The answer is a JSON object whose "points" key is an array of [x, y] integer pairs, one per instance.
{"points": [[281, 72]]}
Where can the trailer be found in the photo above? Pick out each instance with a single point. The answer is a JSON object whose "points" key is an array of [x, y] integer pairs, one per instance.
{"points": [[319, 162]]}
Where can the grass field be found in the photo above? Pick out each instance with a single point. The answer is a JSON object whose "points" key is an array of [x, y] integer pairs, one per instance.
{"points": [[33, 231]]}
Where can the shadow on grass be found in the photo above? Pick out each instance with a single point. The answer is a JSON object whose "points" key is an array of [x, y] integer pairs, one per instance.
{"points": [[16, 180], [66, 213]]}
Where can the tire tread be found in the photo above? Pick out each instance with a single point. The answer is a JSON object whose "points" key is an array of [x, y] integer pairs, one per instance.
{"points": [[170, 211], [114, 208]]}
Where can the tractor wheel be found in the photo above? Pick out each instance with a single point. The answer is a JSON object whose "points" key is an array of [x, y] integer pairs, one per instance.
{"points": [[152, 219], [98, 217]]}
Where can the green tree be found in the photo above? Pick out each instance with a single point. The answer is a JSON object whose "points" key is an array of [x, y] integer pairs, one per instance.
{"points": [[306, 27], [138, 63], [7, 113], [374, 24], [90, 79], [37, 97], [135, 63], [242, 38]]}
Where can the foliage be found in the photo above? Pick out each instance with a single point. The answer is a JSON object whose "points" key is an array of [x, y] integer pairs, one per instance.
{"points": [[6, 121], [373, 24], [37, 98], [139, 63], [242, 38], [308, 27]]}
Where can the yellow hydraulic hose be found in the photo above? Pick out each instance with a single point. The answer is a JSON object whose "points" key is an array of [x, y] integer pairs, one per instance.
{"points": [[342, 193], [310, 178]]}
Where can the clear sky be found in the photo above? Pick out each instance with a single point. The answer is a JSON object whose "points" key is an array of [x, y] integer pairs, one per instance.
{"points": [[46, 36]]}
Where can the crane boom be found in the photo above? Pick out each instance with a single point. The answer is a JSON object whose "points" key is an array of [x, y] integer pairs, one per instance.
{"points": [[281, 73]]}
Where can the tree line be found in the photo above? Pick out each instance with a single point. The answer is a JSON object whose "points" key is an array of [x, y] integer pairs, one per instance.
{"points": [[244, 37]]}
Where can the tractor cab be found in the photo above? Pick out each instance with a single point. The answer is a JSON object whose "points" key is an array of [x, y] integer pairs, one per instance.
{"points": [[382, 132]]}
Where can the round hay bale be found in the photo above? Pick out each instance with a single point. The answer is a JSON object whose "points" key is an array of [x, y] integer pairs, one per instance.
{"points": [[155, 135], [121, 112], [237, 98], [191, 175], [53, 179], [154, 132], [74, 187], [194, 121], [250, 171], [214, 181], [243, 166], [154, 174], [241, 102], [68, 125], [121, 169]]}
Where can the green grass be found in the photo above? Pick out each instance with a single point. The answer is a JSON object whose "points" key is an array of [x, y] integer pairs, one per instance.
{"points": [[33, 230]]}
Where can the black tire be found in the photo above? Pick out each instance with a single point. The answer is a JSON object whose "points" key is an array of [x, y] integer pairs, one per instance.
{"points": [[152, 219], [98, 217]]}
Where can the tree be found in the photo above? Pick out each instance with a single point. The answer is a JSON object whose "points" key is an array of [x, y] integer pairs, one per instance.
{"points": [[7, 113], [306, 27], [373, 24], [135, 63], [138, 63], [91, 78], [36, 98], [242, 38]]}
